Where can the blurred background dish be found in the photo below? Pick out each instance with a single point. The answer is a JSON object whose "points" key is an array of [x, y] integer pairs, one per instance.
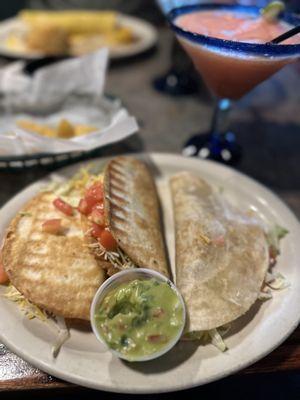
{"points": [[36, 34], [61, 109]]}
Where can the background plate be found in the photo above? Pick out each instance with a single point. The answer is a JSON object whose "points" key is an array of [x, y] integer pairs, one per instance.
{"points": [[146, 33], [83, 361]]}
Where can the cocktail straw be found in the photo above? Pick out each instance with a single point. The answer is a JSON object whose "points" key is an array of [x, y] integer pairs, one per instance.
{"points": [[286, 35]]}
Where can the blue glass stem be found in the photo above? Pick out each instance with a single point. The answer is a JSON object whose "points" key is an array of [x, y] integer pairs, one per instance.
{"points": [[219, 123]]}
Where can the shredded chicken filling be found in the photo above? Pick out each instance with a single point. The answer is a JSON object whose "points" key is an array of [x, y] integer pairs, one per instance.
{"points": [[118, 260]]}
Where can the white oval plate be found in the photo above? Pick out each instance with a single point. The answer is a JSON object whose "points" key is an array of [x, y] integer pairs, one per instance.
{"points": [[145, 32], [83, 361]]}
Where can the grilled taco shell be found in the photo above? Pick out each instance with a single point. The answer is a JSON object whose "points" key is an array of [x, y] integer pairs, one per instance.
{"points": [[132, 212], [55, 272]]}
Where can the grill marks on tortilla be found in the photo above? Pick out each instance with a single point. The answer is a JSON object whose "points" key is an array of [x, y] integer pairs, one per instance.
{"points": [[132, 212], [55, 272], [118, 197]]}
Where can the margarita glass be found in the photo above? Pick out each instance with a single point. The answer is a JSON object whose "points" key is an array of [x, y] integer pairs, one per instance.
{"points": [[230, 63]]}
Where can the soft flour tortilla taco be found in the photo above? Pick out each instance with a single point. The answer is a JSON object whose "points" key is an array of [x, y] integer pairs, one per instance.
{"points": [[222, 255]]}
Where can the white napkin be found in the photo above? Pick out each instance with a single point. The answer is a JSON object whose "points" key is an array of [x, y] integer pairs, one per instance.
{"points": [[70, 89]]}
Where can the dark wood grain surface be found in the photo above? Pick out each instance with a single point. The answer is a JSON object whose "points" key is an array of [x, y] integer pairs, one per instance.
{"points": [[267, 122]]}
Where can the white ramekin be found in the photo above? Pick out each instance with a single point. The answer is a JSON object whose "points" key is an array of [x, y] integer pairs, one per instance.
{"points": [[129, 275]]}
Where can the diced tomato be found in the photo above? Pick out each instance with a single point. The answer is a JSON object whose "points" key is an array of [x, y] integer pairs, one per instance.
{"points": [[97, 215], [157, 338], [83, 207], [3, 274], [52, 226], [86, 205], [108, 241], [96, 191], [63, 206], [96, 230], [91, 202]]}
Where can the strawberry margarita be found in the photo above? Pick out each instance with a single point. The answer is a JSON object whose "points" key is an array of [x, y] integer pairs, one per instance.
{"points": [[228, 68]]}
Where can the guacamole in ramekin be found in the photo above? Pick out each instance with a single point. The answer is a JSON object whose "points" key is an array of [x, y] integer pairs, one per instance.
{"points": [[140, 318]]}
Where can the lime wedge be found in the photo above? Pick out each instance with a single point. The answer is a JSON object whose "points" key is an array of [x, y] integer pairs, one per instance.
{"points": [[272, 10]]}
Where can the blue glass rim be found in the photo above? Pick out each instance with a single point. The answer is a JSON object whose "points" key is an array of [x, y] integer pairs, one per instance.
{"points": [[261, 49]]}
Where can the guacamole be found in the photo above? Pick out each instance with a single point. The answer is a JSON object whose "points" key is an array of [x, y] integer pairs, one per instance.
{"points": [[140, 317]]}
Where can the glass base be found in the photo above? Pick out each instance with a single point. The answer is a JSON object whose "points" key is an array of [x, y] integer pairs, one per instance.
{"points": [[176, 83], [222, 148]]}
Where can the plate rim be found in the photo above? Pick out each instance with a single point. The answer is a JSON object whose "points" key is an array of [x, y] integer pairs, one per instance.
{"points": [[157, 157]]}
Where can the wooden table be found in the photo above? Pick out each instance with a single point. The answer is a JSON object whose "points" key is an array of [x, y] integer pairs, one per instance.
{"points": [[268, 125]]}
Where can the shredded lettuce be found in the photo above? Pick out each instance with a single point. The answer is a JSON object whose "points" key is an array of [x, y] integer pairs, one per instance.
{"points": [[276, 281], [29, 309], [72, 190], [273, 238], [265, 294], [25, 214], [32, 311], [216, 340], [213, 336], [63, 335]]}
